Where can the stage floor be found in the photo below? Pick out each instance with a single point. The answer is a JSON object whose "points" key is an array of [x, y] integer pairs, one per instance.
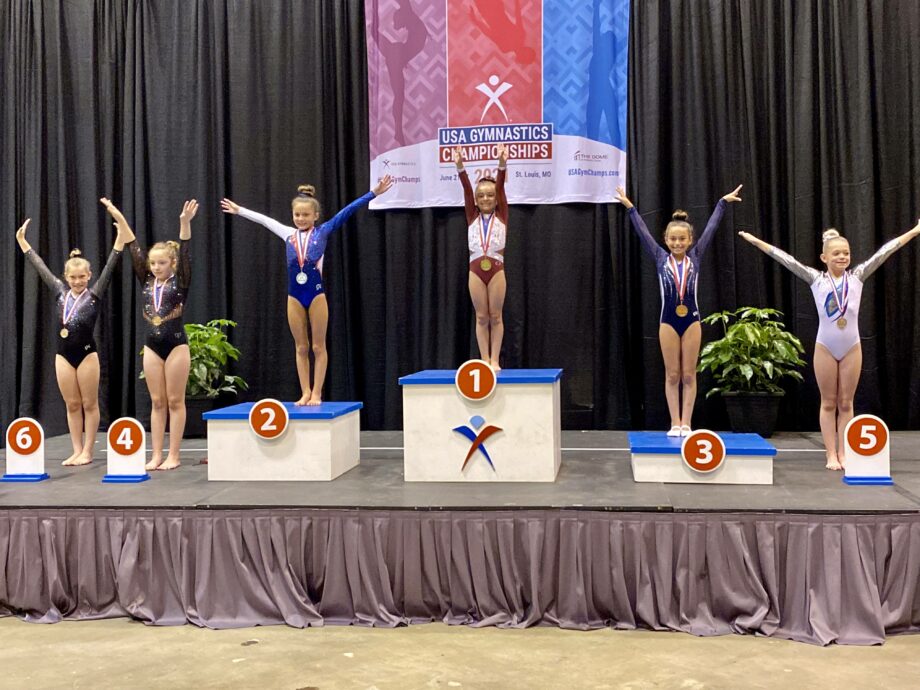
{"points": [[595, 475]]}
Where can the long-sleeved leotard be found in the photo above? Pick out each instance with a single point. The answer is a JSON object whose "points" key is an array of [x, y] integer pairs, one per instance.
{"points": [[75, 336], [164, 303], [668, 286], [306, 289], [838, 341], [486, 235]]}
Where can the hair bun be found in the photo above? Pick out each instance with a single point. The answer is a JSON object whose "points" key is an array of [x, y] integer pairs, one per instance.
{"points": [[74, 253], [306, 190], [680, 215], [829, 234]]}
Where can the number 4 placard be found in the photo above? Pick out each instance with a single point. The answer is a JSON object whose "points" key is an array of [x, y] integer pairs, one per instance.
{"points": [[126, 452], [866, 457]]}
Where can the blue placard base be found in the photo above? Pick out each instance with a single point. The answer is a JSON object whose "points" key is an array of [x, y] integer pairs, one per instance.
{"points": [[22, 478], [125, 478], [868, 481]]}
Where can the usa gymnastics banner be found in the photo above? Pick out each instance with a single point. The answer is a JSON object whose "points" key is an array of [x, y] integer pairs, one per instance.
{"points": [[545, 77]]}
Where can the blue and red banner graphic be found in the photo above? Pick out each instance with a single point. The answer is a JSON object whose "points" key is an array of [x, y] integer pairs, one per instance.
{"points": [[545, 77]]}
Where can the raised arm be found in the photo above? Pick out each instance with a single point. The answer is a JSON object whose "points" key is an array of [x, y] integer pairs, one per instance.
{"points": [[715, 219], [872, 264], [501, 199], [651, 246], [48, 278], [809, 275], [340, 218], [279, 229], [469, 200], [125, 233], [105, 277]]}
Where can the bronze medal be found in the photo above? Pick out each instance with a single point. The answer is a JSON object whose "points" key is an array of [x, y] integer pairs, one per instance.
{"points": [[485, 265], [682, 310], [156, 320], [841, 324], [64, 332]]}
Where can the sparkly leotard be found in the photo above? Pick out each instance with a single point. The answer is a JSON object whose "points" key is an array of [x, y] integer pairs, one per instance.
{"points": [[165, 328], [838, 341], [670, 297], [314, 240], [82, 309], [486, 234]]}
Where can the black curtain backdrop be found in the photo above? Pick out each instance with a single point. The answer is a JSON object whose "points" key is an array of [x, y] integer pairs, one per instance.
{"points": [[811, 104]]}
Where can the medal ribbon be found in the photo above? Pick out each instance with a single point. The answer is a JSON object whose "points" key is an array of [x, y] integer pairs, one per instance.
{"points": [[842, 298], [302, 248], [158, 296], [682, 276], [73, 307], [485, 238]]}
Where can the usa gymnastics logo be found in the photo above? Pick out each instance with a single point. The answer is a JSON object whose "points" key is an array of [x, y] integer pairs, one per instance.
{"points": [[477, 439]]}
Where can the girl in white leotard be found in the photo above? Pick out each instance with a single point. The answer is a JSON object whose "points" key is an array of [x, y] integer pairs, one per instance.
{"points": [[838, 353]]}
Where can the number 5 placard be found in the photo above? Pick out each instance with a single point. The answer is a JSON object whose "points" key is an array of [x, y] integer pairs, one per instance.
{"points": [[866, 457]]}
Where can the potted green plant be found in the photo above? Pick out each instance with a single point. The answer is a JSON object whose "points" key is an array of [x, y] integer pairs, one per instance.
{"points": [[210, 352], [748, 362]]}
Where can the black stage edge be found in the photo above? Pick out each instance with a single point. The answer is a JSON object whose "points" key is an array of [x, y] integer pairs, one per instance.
{"points": [[807, 559]]}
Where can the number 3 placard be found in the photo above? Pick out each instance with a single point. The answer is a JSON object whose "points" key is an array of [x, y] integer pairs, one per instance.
{"points": [[866, 457], [268, 419], [703, 451]]}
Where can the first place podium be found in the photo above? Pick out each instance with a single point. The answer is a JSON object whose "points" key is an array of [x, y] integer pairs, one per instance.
{"points": [[287, 442], [512, 435]]}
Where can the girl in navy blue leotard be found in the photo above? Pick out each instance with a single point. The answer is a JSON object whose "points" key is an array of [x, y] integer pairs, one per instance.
{"points": [[77, 363], [679, 331], [305, 244], [164, 272]]}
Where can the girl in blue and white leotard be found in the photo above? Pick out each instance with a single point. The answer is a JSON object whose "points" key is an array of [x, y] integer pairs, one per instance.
{"points": [[305, 244], [838, 353], [679, 331]]}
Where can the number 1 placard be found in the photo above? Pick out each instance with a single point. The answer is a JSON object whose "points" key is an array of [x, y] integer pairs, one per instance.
{"points": [[475, 380]]}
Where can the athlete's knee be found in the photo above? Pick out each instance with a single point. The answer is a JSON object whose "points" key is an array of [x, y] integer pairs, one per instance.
{"points": [[158, 402], [688, 378], [845, 405], [482, 318], [495, 318], [672, 376], [74, 405], [829, 404], [176, 402], [319, 349], [90, 405], [302, 350]]}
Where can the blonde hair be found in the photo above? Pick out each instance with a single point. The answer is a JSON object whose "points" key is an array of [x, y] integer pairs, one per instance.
{"points": [[306, 193], [680, 220], [171, 248], [829, 236], [75, 262]]}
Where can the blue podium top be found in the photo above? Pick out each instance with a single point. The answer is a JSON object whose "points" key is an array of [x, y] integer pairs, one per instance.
{"points": [[326, 410], [735, 444], [441, 376]]}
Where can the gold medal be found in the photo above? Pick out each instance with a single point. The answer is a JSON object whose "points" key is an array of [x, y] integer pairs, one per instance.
{"points": [[156, 320], [485, 265], [64, 332], [682, 310], [841, 324]]}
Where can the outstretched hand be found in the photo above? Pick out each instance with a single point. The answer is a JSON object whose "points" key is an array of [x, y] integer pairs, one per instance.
{"points": [[112, 209], [189, 209], [228, 206], [458, 156], [21, 233], [623, 199], [502, 154], [733, 196], [383, 184]]}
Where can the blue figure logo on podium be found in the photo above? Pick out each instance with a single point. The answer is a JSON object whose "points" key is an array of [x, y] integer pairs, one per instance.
{"points": [[477, 439]]}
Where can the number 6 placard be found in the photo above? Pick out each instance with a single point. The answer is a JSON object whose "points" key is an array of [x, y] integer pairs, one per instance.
{"points": [[126, 452], [866, 451], [25, 451], [268, 419]]}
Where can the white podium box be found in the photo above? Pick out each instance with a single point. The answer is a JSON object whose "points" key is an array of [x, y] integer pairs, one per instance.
{"points": [[319, 444], [126, 452], [656, 457], [866, 452], [514, 435], [25, 452]]}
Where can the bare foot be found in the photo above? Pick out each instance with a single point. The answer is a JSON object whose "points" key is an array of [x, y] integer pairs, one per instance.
{"points": [[155, 461], [71, 460], [304, 400], [82, 459], [833, 464], [172, 462], [495, 367], [313, 401]]}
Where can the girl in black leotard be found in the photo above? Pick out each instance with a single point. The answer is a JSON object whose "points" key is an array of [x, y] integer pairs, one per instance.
{"points": [[77, 363], [164, 273]]}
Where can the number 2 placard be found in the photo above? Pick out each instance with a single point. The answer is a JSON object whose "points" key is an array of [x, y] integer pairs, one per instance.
{"points": [[268, 419]]}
